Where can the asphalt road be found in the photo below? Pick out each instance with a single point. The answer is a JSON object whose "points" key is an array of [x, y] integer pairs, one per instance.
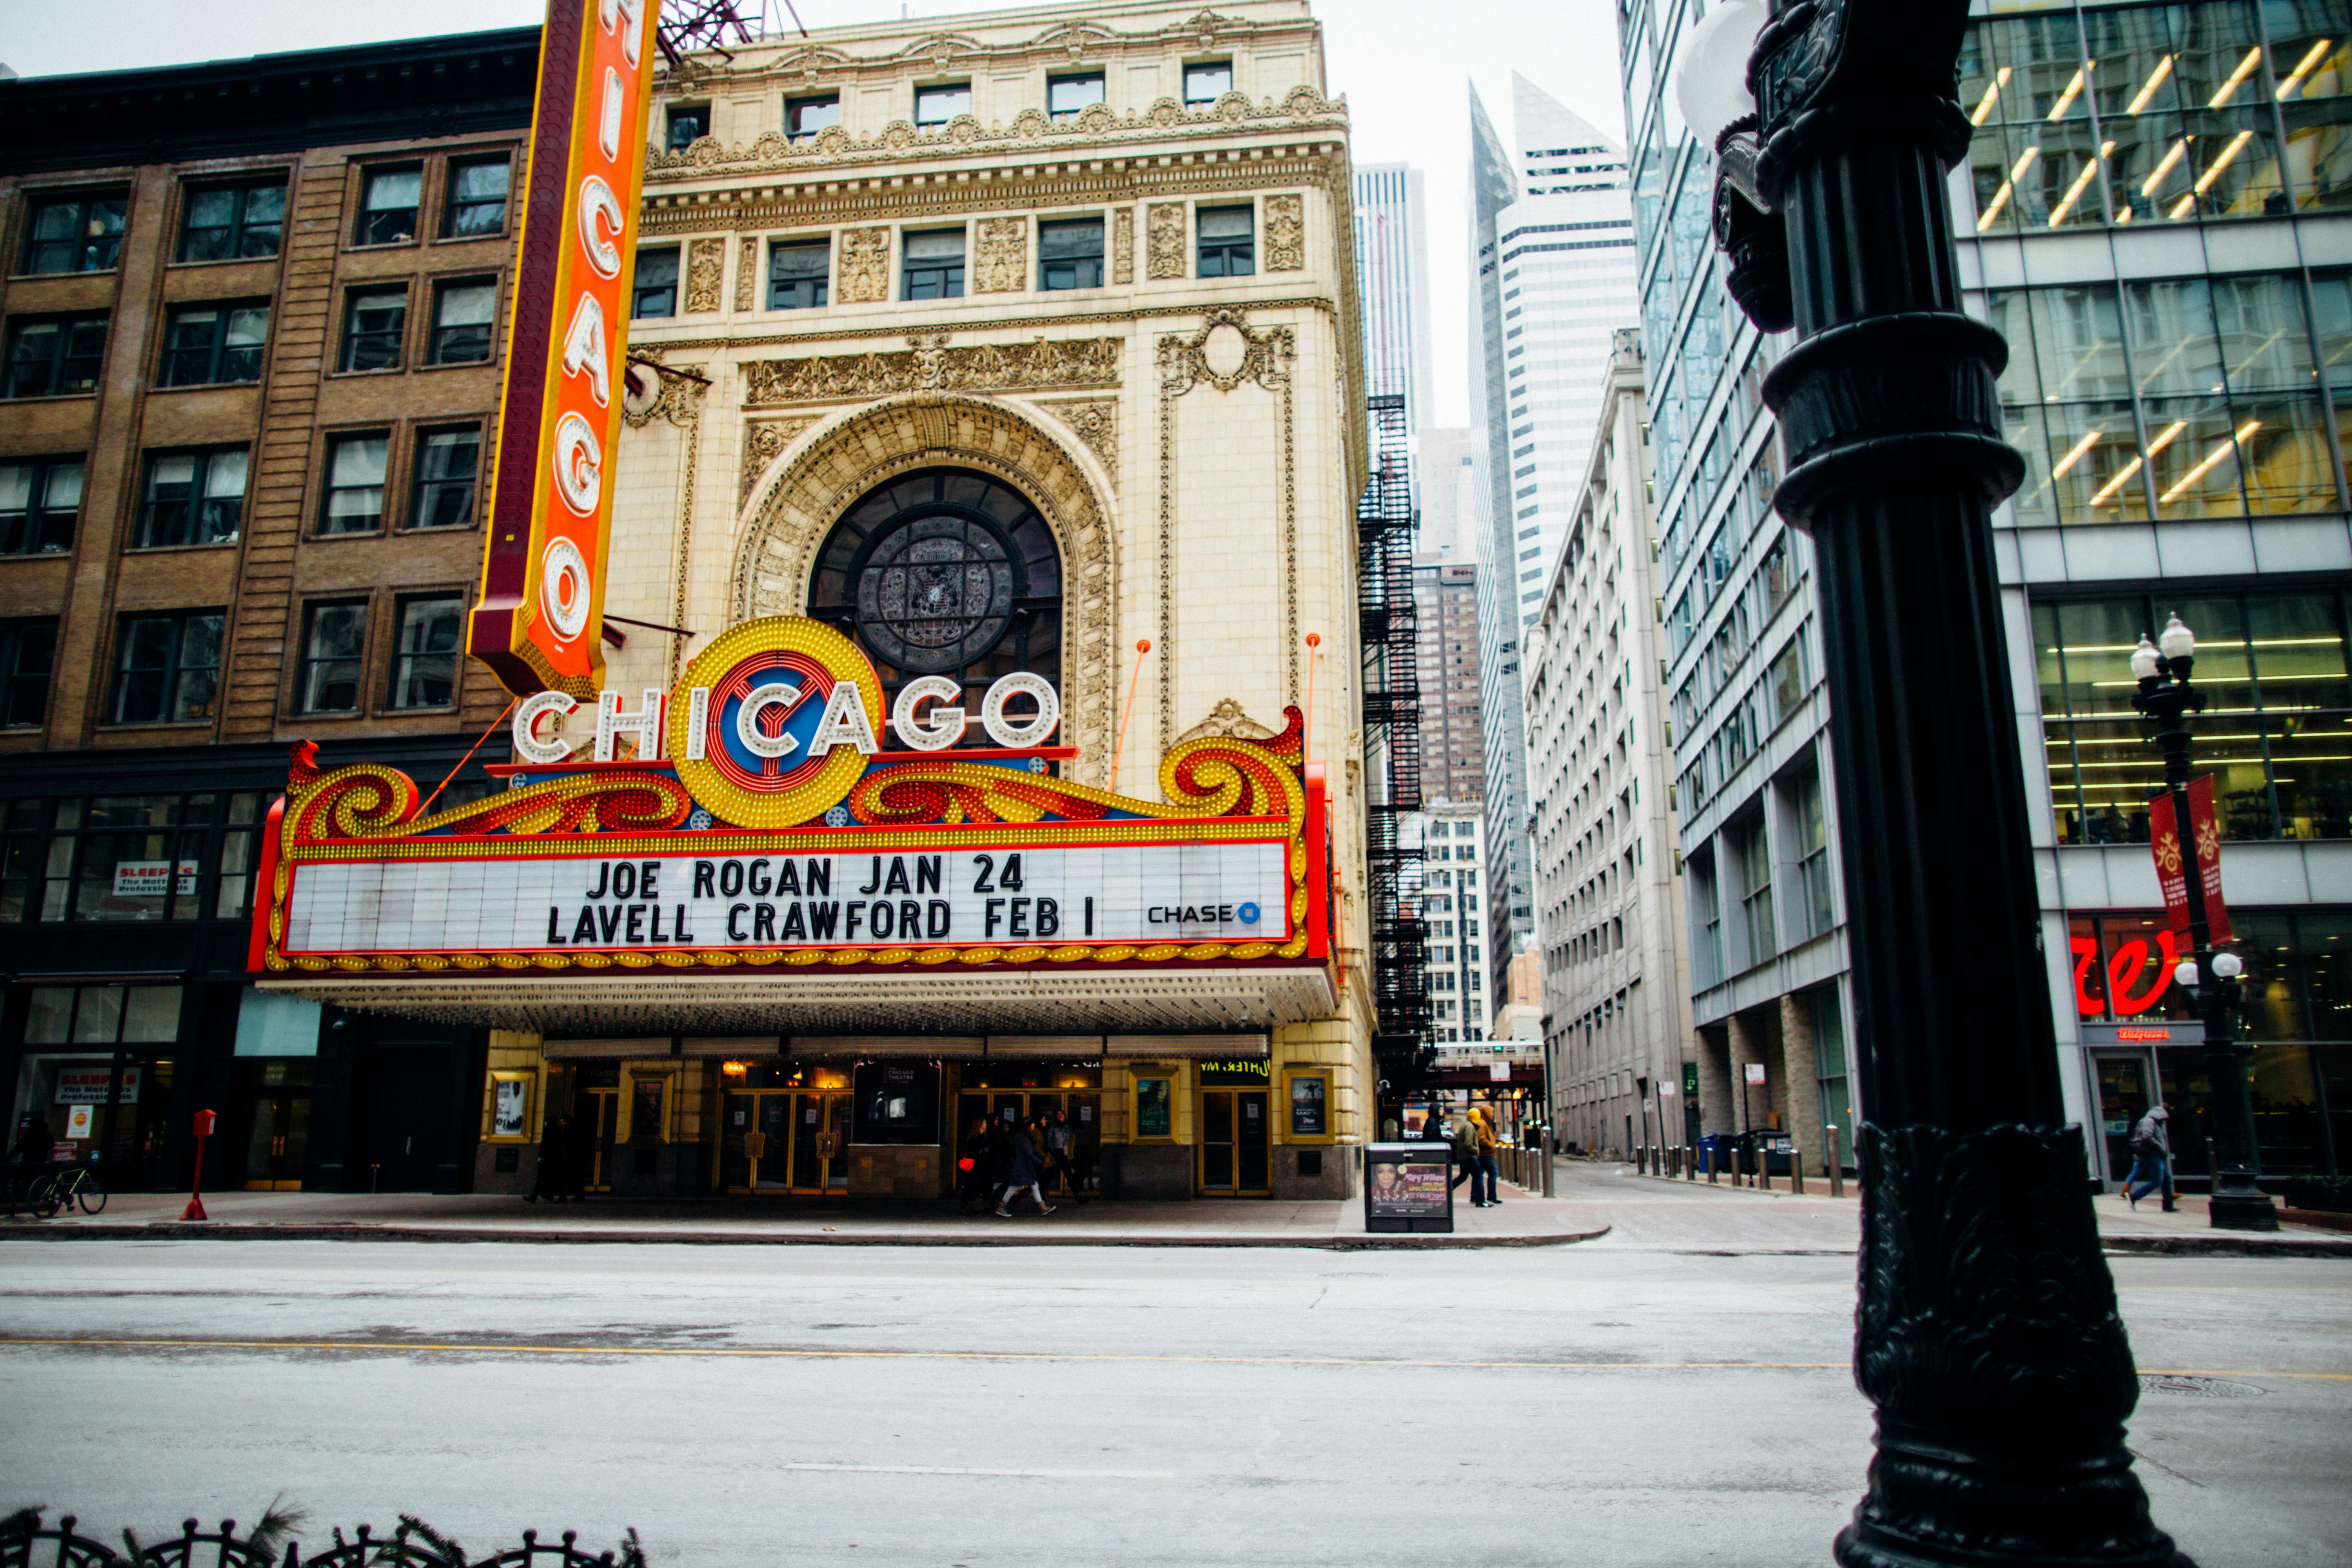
{"points": [[1660, 1398]]}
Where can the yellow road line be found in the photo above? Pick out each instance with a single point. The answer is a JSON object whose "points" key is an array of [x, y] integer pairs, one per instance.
{"points": [[792, 1353]]}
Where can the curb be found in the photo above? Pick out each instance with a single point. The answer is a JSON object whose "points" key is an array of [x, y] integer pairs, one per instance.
{"points": [[209, 1231], [2226, 1246]]}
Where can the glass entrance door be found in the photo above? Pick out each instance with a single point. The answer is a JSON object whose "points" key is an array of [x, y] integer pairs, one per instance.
{"points": [[2125, 1080], [786, 1141], [273, 1155], [601, 1109], [1236, 1139]]}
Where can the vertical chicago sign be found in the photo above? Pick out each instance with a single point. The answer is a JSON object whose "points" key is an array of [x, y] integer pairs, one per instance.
{"points": [[539, 621]]}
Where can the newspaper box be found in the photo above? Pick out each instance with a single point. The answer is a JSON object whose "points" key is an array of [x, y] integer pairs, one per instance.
{"points": [[1407, 1188]]}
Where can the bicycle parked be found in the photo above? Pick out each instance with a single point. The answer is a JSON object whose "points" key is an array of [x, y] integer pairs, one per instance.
{"points": [[63, 1187]]}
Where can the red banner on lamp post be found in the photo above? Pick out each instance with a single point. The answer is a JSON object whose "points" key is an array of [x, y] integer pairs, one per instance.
{"points": [[2205, 834]]}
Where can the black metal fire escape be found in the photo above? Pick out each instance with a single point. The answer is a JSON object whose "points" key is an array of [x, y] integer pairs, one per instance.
{"points": [[1386, 524]]}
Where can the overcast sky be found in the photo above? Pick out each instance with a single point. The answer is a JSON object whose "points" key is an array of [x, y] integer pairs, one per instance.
{"points": [[1405, 65]]}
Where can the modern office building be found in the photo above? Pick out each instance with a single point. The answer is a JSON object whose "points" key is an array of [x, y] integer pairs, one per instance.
{"points": [[1452, 837], [2152, 212], [1551, 262], [1608, 892], [1445, 617], [252, 315], [1392, 279], [1445, 473]]}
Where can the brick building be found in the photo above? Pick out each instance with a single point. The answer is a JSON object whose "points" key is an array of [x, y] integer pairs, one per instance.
{"points": [[249, 320]]}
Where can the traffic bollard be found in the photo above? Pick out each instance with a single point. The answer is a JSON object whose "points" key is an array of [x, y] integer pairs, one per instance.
{"points": [[1837, 1172], [1709, 1155], [1763, 1168], [1796, 1171]]}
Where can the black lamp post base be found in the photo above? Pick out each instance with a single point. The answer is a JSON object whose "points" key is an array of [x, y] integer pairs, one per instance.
{"points": [[1990, 1342], [2245, 1211]]}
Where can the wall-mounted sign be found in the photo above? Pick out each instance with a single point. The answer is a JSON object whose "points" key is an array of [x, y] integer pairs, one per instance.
{"points": [[153, 878], [540, 621], [1755, 1072], [759, 822], [1690, 1080], [87, 1086], [82, 1121]]}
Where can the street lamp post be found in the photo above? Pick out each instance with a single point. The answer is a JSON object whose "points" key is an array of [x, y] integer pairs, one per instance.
{"points": [[1986, 1334], [2167, 697]]}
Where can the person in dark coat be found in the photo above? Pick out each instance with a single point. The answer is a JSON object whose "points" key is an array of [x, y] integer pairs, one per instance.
{"points": [[1025, 1170], [975, 1185], [554, 1178], [1061, 1141]]}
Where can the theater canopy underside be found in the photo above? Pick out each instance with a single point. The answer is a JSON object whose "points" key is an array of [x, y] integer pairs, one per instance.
{"points": [[1026, 1002]]}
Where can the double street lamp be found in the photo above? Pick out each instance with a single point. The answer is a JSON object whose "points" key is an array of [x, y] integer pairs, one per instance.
{"points": [[1987, 1335], [2167, 697]]}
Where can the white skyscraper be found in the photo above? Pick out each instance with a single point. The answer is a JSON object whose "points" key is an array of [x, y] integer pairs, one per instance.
{"points": [[1393, 277], [1554, 265]]}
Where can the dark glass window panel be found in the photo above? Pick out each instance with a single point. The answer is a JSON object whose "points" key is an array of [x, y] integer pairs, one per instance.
{"points": [[55, 356], [334, 641], [1207, 81], [2197, 447], [27, 651], [388, 205], [354, 488], [654, 291], [2298, 650], [167, 667], [1070, 254], [1228, 242], [2036, 177], [209, 344], [373, 321], [448, 464], [38, 504], [463, 318], [798, 274], [424, 664], [233, 222], [689, 123], [2284, 460], [935, 105], [1066, 96], [2311, 767], [75, 234], [949, 571], [193, 498], [2272, 985], [477, 197], [807, 116], [933, 264]]}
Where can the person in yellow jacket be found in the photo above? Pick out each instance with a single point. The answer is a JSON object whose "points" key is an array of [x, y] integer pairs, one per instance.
{"points": [[1488, 1167]]}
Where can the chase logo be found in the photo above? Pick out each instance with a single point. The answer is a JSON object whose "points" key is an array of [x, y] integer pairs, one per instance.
{"points": [[1248, 914]]}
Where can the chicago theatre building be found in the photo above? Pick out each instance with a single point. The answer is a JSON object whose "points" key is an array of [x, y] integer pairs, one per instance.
{"points": [[972, 731]]}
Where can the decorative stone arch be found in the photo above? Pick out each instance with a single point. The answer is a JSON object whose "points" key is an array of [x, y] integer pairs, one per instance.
{"points": [[839, 463]]}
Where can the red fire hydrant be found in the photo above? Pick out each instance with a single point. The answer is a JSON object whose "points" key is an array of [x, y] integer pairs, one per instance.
{"points": [[205, 1121]]}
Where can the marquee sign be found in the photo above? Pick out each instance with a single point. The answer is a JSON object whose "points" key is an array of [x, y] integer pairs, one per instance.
{"points": [[757, 820], [538, 623]]}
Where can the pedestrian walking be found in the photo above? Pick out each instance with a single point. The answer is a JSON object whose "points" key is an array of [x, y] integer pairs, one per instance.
{"points": [[2151, 1149], [1463, 1157], [553, 1178], [1489, 1165], [1024, 1171], [1060, 1138], [974, 1174]]}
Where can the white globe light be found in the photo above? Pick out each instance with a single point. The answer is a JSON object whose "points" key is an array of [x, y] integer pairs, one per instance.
{"points": [[2143, 660], [2176, 640], [2229, 965], [2185, 972], [1712, 83]]}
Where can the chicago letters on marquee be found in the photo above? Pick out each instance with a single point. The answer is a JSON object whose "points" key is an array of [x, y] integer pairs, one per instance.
{"points": [[757, 818]]}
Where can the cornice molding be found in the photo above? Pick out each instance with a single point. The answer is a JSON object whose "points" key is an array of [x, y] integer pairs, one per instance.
{"points": [[1029, 324], [1030, 132]]}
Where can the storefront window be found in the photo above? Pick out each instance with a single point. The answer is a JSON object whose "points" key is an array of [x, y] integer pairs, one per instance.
{"points": [[897, 1102], [2278, 701], [132, 858], [1155, 1106]]}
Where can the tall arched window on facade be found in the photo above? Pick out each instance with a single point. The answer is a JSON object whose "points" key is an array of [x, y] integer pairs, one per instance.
{"points": [[945, 571]]}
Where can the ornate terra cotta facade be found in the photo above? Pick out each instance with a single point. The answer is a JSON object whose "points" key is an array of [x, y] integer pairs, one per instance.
{"points": [[933, 287]]}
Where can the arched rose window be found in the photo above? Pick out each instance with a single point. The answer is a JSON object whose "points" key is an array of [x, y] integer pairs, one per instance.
{"points": [[945, 571]]}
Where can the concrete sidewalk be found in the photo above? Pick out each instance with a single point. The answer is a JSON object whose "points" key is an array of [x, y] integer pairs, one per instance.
{"points": [[803, 1221], [2123, 1228]]}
